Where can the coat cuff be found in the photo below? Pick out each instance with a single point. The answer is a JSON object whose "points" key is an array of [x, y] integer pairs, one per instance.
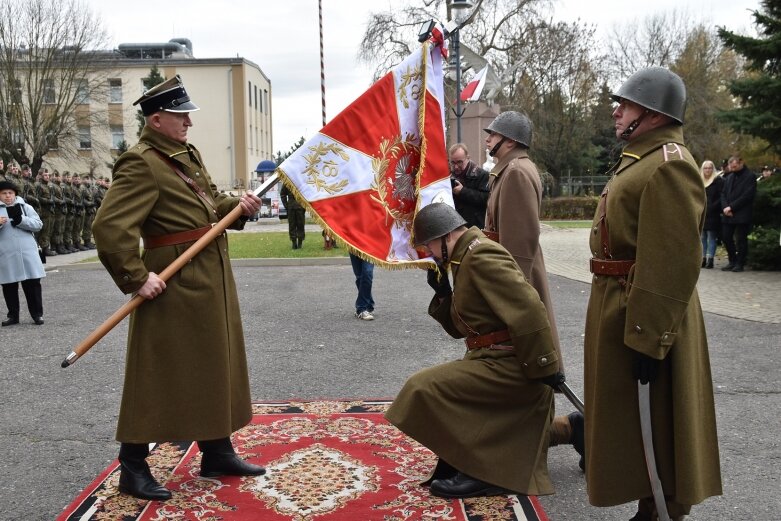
{"points": [[651, 322]]}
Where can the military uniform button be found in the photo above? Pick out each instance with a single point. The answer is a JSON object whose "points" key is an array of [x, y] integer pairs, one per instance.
{"points": [[543, 360], [638, 329]]}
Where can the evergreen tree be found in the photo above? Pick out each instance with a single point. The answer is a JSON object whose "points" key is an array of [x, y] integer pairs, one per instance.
{"points": [[149, 81], [760, 90]]}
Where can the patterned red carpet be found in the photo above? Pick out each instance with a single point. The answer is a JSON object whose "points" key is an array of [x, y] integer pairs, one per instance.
{"points": [[326, 461]]}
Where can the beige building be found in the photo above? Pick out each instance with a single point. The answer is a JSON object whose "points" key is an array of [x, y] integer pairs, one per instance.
{"points": [[232, 130]]}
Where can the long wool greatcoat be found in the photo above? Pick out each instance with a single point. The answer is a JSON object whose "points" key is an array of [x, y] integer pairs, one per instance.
{"points": [[186, 374], [514, 212], [19, 259], [487, 415], [655, 209]]}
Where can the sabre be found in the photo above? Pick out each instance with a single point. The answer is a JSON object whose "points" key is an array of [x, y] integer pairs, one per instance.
{"points": [[559, 382], [644, 399], [217, 229]]}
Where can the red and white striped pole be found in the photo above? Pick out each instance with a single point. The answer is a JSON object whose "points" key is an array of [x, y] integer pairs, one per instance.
{"points": [[322, 62]]}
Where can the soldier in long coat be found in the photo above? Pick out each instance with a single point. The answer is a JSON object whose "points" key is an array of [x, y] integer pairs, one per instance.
{"points": [[644, 321], [186, 374], [486, 416], [513, 220]]}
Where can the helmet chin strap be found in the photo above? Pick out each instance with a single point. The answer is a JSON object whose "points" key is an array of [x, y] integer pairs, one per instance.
{"points": [[496, 147], [445, 256], [633, 125]]}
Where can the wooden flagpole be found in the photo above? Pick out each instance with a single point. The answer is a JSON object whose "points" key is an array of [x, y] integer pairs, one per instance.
{"points": [[111, 322]]}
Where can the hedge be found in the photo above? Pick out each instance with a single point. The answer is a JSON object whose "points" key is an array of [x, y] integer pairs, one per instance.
{"points": [[563, 208]]}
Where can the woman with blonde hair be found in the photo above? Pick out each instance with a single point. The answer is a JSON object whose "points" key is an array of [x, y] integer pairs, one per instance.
{"points": [[712, 226]]}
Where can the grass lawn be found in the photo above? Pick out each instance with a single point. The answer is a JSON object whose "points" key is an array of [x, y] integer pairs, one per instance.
{"points": [[569, 224], [265, 245]]}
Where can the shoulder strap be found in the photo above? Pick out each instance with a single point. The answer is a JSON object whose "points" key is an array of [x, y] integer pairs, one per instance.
{"points": [[192, 184]]}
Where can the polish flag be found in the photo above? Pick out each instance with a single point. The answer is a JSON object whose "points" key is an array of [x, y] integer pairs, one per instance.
{"points": [[369, 171], [475, 87]]}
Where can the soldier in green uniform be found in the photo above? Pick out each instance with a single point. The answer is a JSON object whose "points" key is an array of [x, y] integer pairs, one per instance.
{"points": [[186, 376], [644, 322], [488, 415], [14, 176], [296, 217], [27, 188], [70, 213], [88, 199], [60, 211], [45, 196], [78, 212], [3, 175]]}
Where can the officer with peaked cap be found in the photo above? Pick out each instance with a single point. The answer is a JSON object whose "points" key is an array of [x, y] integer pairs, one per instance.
{"points": [[644, 322], [184, 380], [486, 416]]}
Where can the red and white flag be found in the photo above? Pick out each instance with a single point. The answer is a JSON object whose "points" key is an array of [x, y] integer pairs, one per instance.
{"points": [[368, 172], [474, 88]]}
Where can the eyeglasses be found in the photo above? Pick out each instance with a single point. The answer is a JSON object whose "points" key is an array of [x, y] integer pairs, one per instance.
{"points": [[457, 161]]}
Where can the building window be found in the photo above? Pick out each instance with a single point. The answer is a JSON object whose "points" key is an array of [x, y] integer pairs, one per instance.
{"points": [[48, 92], [256, 97], [17, 137], [265, 99], [85, 138], [82, 92], [117, 137], [115, 90], [249, 89]]}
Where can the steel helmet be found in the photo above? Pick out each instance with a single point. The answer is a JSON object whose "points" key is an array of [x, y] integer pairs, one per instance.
{"points": [[435, 220], [655, 88], [513, 125]]}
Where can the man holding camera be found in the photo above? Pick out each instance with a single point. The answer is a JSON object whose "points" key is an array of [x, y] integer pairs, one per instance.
{"points": [[470, 186]]}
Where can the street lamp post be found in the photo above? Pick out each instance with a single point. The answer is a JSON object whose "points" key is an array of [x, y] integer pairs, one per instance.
{"points": [[459, 8]]}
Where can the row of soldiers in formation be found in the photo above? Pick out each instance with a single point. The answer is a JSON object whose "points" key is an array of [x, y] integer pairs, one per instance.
{"points": [[66, 203]]}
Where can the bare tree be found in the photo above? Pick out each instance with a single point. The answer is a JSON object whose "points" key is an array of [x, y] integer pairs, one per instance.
{"points": [[656, 40], [50, 66], [707, 68]]}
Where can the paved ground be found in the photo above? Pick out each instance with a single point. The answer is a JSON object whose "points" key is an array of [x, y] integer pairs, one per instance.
{"points": [[57, 425]]}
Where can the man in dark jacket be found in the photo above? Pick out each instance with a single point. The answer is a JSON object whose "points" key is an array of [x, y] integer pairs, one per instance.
{"points": [[737, 202], [470, 186]]}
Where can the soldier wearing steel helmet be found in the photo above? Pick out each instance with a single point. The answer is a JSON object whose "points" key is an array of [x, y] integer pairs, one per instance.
{"points": [[513, 220], [486, 416], [644, 323]]}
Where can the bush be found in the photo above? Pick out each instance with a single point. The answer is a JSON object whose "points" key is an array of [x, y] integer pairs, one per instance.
{"points": [[569, 208], [764, 250]]}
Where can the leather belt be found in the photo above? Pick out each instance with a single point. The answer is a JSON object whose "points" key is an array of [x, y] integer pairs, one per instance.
{"points": [[175, 238], [611, 268], [488, 339], [494, 236]]}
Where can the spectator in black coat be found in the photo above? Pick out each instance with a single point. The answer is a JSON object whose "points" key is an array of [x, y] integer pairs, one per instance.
{"points": [[470, 186], [737, 201]]}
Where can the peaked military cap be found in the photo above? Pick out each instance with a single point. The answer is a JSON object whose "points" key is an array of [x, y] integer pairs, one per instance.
{"points": [[169, 96]]}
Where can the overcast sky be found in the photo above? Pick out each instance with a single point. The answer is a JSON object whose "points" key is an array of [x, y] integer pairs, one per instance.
{"points": [[282, 37]]}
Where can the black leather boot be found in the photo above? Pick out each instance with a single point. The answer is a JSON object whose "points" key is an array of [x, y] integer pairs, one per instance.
{"points": [[300, 242], [219, 459], [135, 478], [462, 485], [576, 420], [295, 244], [703, 262], [709, 264], [12, 320]]}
